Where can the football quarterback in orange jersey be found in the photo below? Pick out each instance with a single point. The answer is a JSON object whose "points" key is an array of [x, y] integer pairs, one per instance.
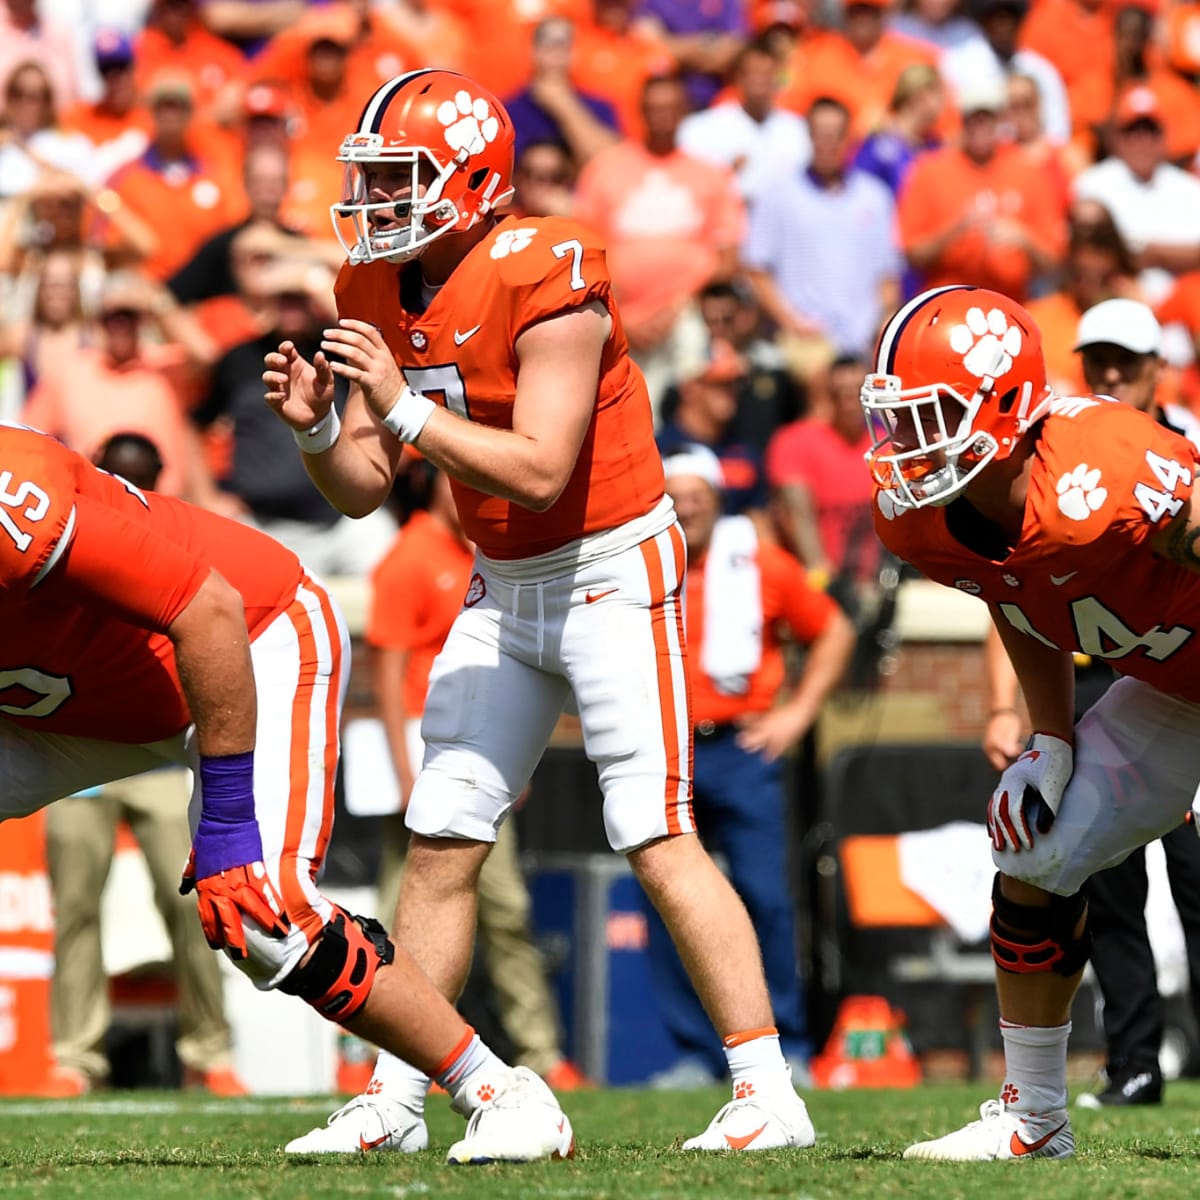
{"points": [[1073, 518], [494, 347]]}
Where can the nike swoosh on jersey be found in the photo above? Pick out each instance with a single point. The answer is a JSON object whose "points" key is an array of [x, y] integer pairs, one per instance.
{"points": [[1018, 1147], [741, 1142], [1059, 580], [460, 338], [592, 597]]}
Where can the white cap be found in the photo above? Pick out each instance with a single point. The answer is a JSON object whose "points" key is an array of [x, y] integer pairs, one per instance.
{"points": [[1125, 323], [983, 95], [695, 460]]}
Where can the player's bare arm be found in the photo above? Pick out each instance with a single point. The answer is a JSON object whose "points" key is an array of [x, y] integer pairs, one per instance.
{"points": [[212, 652], [1180, 540], [355, 472], [559, 365], [1047, 678]]}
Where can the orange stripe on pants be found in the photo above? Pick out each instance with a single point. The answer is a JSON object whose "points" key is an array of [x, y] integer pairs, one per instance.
{"points": [[652, 557]]}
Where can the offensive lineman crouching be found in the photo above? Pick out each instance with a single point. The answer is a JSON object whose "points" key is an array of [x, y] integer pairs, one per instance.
{"points": [[141, 631]]}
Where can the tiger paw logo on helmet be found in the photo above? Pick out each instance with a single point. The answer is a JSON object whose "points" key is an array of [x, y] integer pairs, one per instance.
{"points": [[987, 342], [469, 124]]}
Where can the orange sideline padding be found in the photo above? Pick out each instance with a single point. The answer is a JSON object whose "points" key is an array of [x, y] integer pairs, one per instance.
{"points": [[26, 957], [874, 892]]}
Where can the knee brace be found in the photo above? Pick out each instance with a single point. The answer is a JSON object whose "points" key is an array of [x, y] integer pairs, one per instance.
{"points": [[1027, 939], [336, 980]]}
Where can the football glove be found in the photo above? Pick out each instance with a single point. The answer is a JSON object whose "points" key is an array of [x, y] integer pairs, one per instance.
{"points": [[1027, 797], [225, 898]]}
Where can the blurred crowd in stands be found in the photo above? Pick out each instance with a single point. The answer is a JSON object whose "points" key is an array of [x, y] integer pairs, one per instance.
{"points": [[771, 177]]}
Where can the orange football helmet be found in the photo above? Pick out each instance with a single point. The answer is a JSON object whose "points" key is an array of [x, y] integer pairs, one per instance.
{"points": [[959, 378], [442, 145]]}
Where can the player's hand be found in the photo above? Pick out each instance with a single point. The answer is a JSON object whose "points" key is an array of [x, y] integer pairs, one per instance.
{"points": [[363, 357], [1002, 738], [225, 898], [300, 392], [1027, 797]]}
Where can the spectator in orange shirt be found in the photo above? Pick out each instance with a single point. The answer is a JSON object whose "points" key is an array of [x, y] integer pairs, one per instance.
{"points": [[174, 40], [1074, 35], [671, 223], [858, 65], [979, 214], [1133, 60], [1098, 267], [377, 50], [117, 125], [327, 108], [120, 386], [614, 58], [179, 193]]}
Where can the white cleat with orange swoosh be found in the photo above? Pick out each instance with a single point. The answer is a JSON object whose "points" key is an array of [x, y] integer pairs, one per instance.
{"points": [[369, 1122], [1002, 1132], [757, 1121]]}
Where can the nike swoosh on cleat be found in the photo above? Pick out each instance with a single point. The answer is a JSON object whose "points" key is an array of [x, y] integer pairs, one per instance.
{"points": [[1018, 1147], [740, 1143], [460, 338], [592, 597], [371, 1145], [562, 1124], [1059, 580]]}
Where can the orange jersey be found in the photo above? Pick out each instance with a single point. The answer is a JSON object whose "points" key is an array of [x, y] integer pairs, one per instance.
{"points": [[1082, 576], [460, 352], [789, 602], [92, 573], [416, 592]]}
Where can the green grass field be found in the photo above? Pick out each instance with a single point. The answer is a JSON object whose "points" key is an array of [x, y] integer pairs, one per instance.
{"points": [[158, 1146]]}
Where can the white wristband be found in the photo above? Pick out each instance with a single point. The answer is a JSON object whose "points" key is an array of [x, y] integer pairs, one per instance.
{"points": [[408, 415], [321, 436]]}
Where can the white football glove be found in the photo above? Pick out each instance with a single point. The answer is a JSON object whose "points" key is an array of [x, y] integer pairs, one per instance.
{"points": [[1027, 797]]}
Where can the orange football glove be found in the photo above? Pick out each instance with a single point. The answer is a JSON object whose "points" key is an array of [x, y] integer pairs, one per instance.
{"points": [[225, 898]]}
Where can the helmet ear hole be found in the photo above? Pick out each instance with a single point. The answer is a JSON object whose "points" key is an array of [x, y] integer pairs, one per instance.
{"points": [[1009, 399], [476, 178]]}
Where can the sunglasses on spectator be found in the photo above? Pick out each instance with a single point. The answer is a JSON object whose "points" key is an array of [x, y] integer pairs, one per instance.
{"points": [[120, 314], [114, 68], [24, 93]]}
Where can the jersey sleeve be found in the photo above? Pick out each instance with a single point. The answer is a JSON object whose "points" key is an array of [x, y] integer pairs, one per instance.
{"points": [[1118, 474], [549, 267], [123, 564], [37, 509]]}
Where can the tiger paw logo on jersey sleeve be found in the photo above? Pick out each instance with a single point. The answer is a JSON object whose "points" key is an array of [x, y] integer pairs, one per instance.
{"points": [[1080, 493], [469, 124], [987, 342], [511, 241]]}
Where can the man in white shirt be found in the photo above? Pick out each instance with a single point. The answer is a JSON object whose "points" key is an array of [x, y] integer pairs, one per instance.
{"points": [[750, 135], [994, 56], [1155, 205]]}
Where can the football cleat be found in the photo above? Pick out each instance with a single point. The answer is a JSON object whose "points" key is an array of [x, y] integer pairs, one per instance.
{"points": [[522, 1123], [366, 1123], [757, 1122], [1002, 1133]]}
